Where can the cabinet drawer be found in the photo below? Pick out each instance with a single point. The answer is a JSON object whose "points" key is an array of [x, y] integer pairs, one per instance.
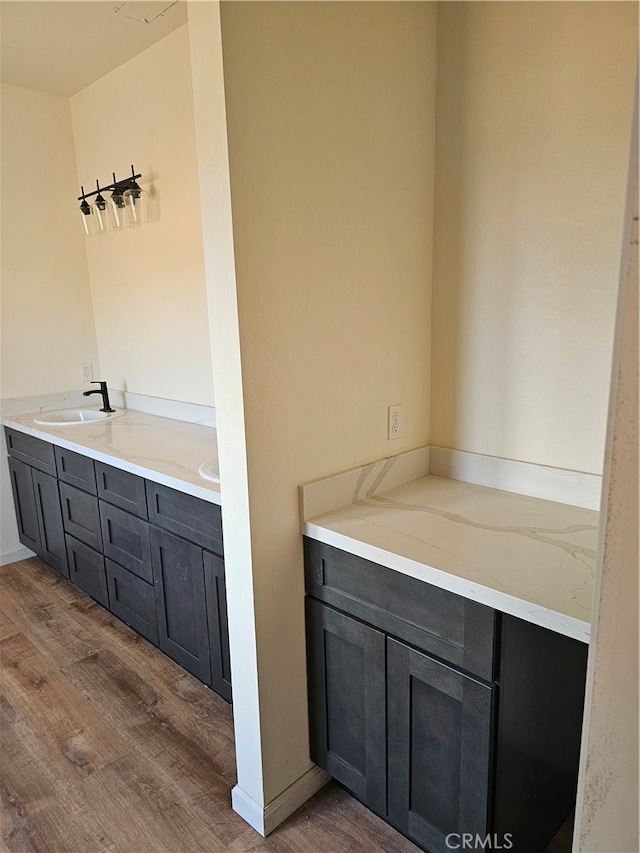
{"points": [[125, 539], [132, 600], [189, 517], [122, 489], [33, 451], [439, 622], [86, 570], [80, 515], [75, 469]]}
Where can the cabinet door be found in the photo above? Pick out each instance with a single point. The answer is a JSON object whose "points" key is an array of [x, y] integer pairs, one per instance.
{"points": [[218, 626], [439, 748], [86, 570], [25, 505], [346, 666], [178, 576], [53, 548]]}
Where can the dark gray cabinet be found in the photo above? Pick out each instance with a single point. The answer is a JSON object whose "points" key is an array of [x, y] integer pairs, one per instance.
{"points": [[439, 735], [178, 575], [441, 715], [347, 696], [38, 515], [25, 505], [136, 547], [80, 515], [125, 539], [86, 570], [132, 600], [216, 593]]}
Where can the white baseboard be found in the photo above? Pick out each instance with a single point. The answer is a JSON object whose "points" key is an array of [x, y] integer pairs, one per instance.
{"points": [[264, 819], [15, 554]]}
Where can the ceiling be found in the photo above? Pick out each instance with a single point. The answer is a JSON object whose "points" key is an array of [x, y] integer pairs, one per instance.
{"points": [[61, 46]]}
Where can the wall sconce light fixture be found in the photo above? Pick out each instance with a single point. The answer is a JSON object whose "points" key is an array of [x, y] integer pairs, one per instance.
{"points": [[127, 206]]}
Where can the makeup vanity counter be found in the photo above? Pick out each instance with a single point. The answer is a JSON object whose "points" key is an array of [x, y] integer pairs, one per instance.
{"points": [[160, 449], [530, 558]]}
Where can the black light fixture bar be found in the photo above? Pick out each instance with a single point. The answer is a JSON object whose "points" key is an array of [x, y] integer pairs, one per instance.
{"points": [[123, 185]]}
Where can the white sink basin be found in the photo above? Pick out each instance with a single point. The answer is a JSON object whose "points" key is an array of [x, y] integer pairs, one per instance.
{"points": [[72, 416], [209, 470]]}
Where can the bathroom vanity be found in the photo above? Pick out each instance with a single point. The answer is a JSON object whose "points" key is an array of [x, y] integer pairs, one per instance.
{"points": [[447, 631], [118, 509]]}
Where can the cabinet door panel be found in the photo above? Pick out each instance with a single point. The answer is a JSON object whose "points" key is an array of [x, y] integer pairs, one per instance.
{"points": [[185, 515], [25, 505], [439, 748], [80, 515], [126, 540], [30, 450], [180, 602], [76, 469], [346, 665], [218, 626], [121, 488], [53, 548], [132, 600], [86, 570]]}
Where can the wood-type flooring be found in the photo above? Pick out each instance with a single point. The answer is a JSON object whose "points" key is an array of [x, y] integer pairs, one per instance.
{"points": [[107, 746]]}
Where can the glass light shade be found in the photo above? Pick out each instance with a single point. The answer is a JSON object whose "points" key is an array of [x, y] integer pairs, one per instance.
{"points": [[117, 212], [85, 219], [99, 215], [137, 205]]}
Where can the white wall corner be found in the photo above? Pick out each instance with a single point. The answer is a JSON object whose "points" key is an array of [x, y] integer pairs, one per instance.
{"points": [[264, 819], [15, 554]]}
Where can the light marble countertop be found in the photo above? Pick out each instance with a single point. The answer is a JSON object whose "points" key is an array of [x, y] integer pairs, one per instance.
{"points": [[532, 558], [163, 450]]}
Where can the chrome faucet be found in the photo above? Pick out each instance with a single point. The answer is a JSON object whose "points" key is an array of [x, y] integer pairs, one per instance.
{"points": [[106, 407]]}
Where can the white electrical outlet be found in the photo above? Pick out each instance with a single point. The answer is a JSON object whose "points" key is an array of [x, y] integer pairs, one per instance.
{"points": [[395, 422], [86, 373]]}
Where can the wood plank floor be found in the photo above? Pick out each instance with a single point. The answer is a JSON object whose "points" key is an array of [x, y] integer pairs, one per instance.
{"points": [[107, 746]]}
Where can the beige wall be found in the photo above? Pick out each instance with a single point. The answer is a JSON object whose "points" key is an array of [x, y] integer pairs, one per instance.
{"points": [[533, 123], [148, 285], [330, 110], [47, 320]]}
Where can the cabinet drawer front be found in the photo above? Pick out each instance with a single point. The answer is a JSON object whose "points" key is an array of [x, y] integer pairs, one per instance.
{"points": [[121, 488], [194, 519], [33, 451], [125, 539], [75, 469], [24, 503], [86, 570], [439, 622], [178, 576], [439, 748], [132, 600], [80, 515]]}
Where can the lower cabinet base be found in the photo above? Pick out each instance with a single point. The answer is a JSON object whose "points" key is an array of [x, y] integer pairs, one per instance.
{"points": [[441, 754]]}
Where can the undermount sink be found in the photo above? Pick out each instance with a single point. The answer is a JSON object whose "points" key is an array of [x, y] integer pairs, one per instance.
{"points": [[71, 416], [209, 470]]}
